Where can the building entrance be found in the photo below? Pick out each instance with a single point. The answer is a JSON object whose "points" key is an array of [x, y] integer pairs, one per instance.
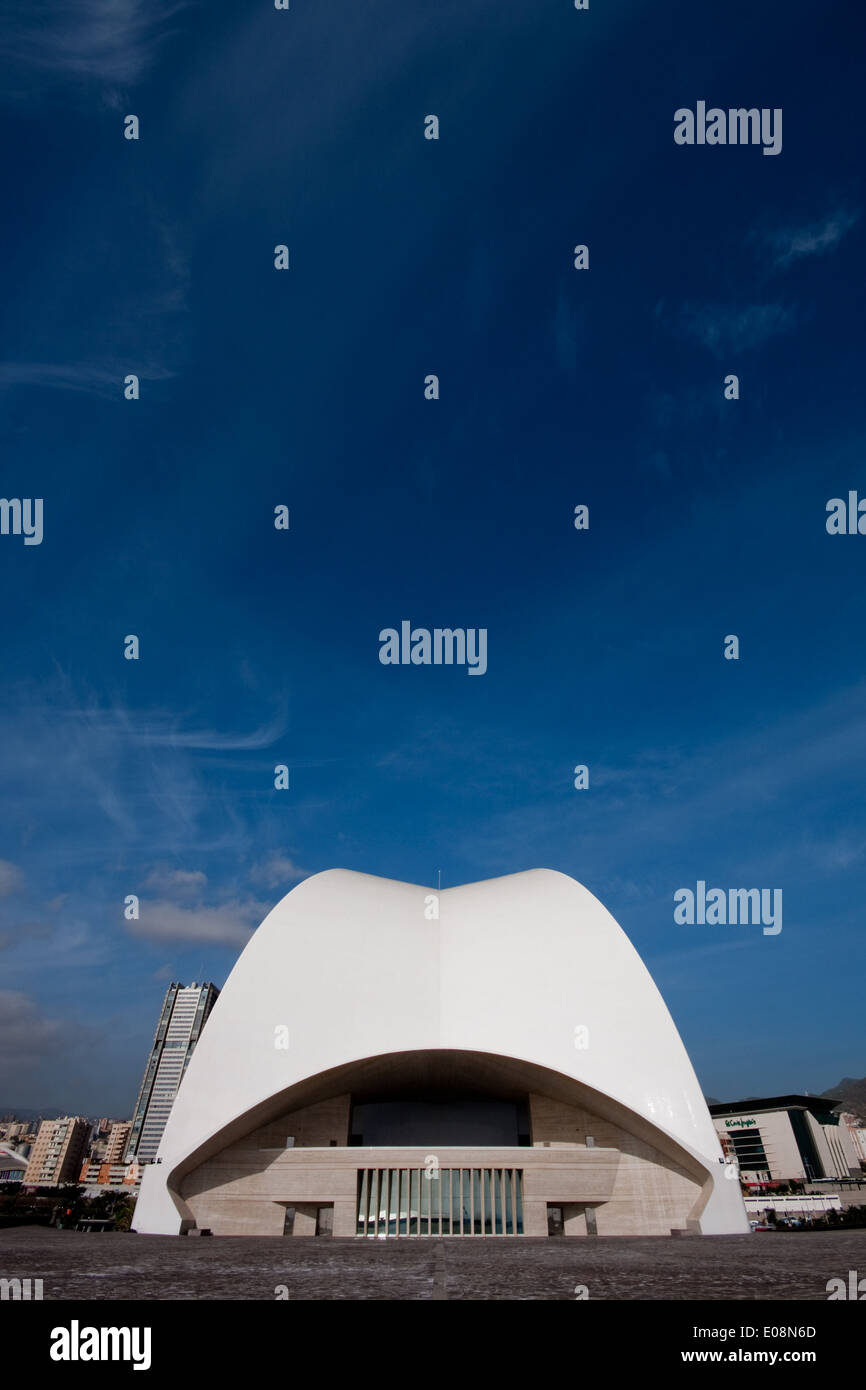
{"points": [[434, 1201]]}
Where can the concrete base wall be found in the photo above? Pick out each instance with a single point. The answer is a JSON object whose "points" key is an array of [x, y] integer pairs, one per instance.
{"points": [[576, 1161], [574, 1219], [345, 1218], [650, 1195], [313, 1127], [306, 1215]]}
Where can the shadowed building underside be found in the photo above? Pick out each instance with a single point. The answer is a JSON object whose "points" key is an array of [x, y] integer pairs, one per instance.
{"points": [[525, 1152]]}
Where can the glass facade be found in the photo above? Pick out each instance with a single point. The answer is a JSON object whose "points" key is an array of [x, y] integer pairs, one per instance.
{"points": [[441, 1202], [444, 1120], [749, 1149], [184, 1012]]}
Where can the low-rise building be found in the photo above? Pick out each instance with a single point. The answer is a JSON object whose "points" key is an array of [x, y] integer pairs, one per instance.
{"points": [[786, 1138], [809, 1206], [13, 1165], [11, 1130], [857, 1133], [113, 1175]]}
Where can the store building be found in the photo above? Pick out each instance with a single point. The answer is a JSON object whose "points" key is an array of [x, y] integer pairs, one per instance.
{"points": [[787, 1138]]}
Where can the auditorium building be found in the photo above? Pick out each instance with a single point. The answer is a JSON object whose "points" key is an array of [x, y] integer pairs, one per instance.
{"points": [[489, 1060]]}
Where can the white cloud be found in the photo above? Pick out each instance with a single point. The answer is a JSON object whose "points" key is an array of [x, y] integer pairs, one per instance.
{"points": [[25, 1034], [277, 871], [11, 878], [229, 924], [176, 880]]}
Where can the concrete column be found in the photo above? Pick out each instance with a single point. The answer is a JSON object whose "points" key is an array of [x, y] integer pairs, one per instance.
{"points": [[534, 1218], [345, 1218], [305, 1219], [574, 1218]]}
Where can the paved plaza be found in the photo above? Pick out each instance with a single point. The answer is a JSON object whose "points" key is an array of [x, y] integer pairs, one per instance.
{"points": [[72, 1265]]}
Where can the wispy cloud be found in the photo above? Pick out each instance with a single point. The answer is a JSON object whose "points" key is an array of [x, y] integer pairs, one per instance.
{"points": [[723, 328], [135, 777], [176, 880], [656, 801], [839, 853], [261, 737], [112, 42], [11, 878], [74, 376], [23, 932], [277, 871], [136, 323], [160, 730], [792, 243]]}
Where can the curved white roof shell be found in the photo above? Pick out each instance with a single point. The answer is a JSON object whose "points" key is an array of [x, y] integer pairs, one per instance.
{"points": [[354, 967]]}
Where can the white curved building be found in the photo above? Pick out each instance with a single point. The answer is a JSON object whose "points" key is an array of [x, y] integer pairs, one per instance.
{"points": [[507, 1067]]}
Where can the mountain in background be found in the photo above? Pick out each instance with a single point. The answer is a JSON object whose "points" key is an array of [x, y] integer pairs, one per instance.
{"points": [[849, 1094]]}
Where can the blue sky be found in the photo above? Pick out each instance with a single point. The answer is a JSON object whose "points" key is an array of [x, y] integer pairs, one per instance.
{"points": [[305, 387]]}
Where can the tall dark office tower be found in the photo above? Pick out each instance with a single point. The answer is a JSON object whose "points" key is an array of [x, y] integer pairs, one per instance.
{"points": [[184, 1013]]}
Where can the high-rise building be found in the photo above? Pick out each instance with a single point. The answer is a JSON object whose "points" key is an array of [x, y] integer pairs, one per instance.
{"points": [[58, 1150], [184, 1013]]}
